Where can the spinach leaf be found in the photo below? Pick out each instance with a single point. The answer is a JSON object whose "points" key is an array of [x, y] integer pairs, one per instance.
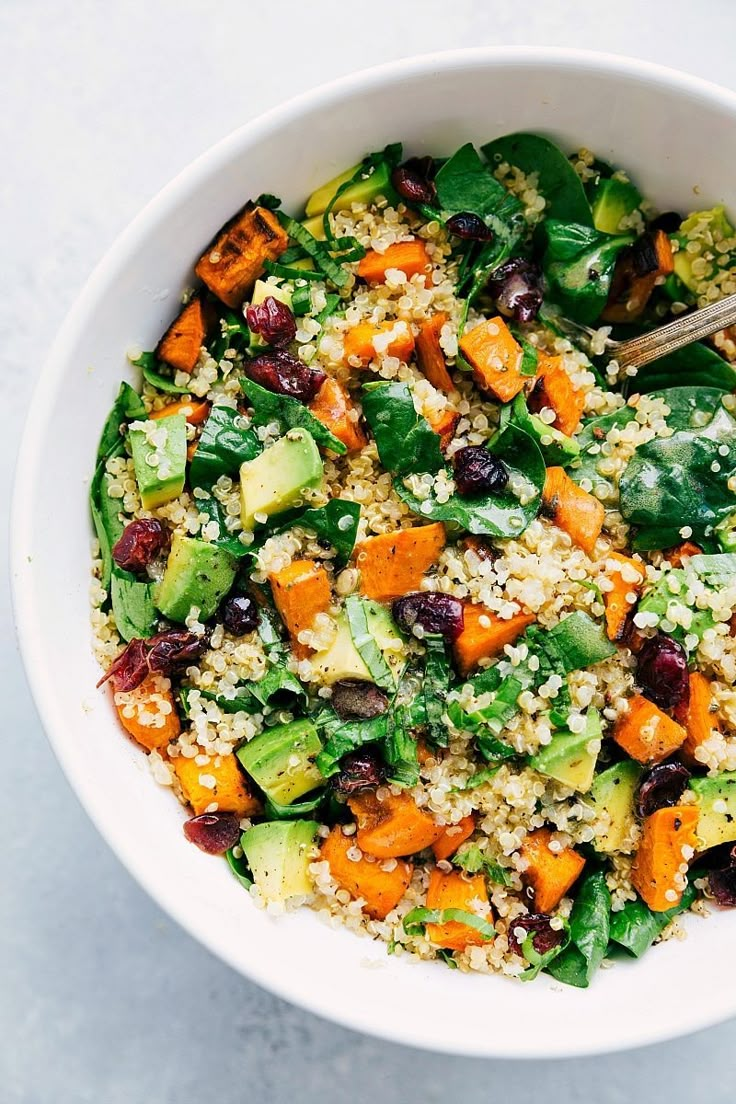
{"points": [[690, 407], [575, 642], [211, 507], [682, 480], [400, 749], [497, 515], [558, 182], [435, 687], [331, 268], [340, 737], [336, 522], [589, 932], [465, 183], [578, 263], [239, 868], [150, 365], [289, 413], [635, 926], [405, 441], [128, 406], [234, 334], [590, 439], [222, 447], [274, 810], [277, 681], [473, 860], [105, 518], [556, 447], [672, 590], [132, 605], [696, 364], [243, 702]]}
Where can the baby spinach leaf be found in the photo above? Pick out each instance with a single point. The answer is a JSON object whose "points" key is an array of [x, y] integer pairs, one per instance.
{"points": [[558, 182], [274, 810], [682, 480], [239, 868], [578, 263], [213, 511], [243, 702], [696, 364], [635, 927], [556, 448], [590, 438], [575, 642], [405, 441], [289, 413], [589, 932], [465, 183], [132, 605], [150, 366], [223, 446], [278, 680], [435, 687], [473, 860], [690, 407], [497, 515], [105, 512], [340, 737], [336, 522], [400, 749], [128, 407]]}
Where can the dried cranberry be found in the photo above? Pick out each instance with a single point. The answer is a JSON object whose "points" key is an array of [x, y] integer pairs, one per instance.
{"points": [[435, 613], [173, 649], [140, 544], [214, 833], [356, 698], [360, 770], [722, 881], [661, 787], [662, 671], [130, 668], [412, 180], [272, 320], [478, 471], [469, 227], [284, 374], [517, 288], [536, 924], [669, 221], [240, 615]]}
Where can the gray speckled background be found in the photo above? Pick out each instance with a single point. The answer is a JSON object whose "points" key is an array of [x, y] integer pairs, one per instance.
{"points": [[102, 999]]}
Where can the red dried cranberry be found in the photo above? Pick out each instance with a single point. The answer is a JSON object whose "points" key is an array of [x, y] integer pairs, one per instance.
{"points": [[435, 613], [469, 227], [478, 471], [140, 543], [412, 180], [360, 770], [355, 698], [272, 320], [517, 288], [544, 936], [240, 615], [669, 221], [214, 833], [130, 668], [722, 881], [285, 374], [661, 787], [173, 649], [661, 671]]}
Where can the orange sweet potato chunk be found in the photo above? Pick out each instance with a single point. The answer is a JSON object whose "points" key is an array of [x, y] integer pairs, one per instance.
{"points": [[572, 509], [485, 635], [495, 357], [181, 344], [393, 564], [334, 408], [234, 261], [392, 827], [148, 713], [549, 874], [300, 591], [646, 733], [380, 889], [455, 890], [657, 873], [230, 790]]}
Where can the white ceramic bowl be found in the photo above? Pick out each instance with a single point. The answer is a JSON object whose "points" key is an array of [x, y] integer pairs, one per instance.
{"points": [[675, 134]]}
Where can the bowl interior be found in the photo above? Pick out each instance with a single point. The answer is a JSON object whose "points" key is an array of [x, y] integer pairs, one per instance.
{"points": [[675, 137]]}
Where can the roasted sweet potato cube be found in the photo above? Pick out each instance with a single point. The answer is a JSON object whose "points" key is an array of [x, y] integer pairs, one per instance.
{"points": [[234, 261], [181, 344]]}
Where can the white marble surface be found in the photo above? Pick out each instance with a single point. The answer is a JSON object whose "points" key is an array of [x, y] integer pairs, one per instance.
{"points": [[102, 998]]}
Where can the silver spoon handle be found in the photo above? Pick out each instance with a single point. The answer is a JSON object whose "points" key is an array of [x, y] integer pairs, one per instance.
{"points": [[666, 339]]}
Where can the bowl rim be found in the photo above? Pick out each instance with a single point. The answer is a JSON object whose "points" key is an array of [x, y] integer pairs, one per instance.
{"points": [[39, 680]]}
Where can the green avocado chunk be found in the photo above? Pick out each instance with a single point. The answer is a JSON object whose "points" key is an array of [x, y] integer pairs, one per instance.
{"points": [[613, 792], [570, 757], [275, 480], [341, 659], [279, 853], [159, 448], [362, 191], [716, 228], [717, 804], [613, 201], [197, 574], [282, 760]]}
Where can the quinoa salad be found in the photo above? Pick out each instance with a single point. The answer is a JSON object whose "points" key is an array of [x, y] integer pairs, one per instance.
{"points": [[422, 607]]}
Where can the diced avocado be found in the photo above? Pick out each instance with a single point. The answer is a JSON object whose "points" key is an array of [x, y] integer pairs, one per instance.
{"points": [[275, 480], [363, 191], [159, 448], [281, 760], [613, 201], [342, 659], [717, 803], [669, 593], [557, 447], [376, 637], [570, 758], [613, 792], [279, 853], [715, 227], [261, 291], [316, 227], [197, 574]]}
